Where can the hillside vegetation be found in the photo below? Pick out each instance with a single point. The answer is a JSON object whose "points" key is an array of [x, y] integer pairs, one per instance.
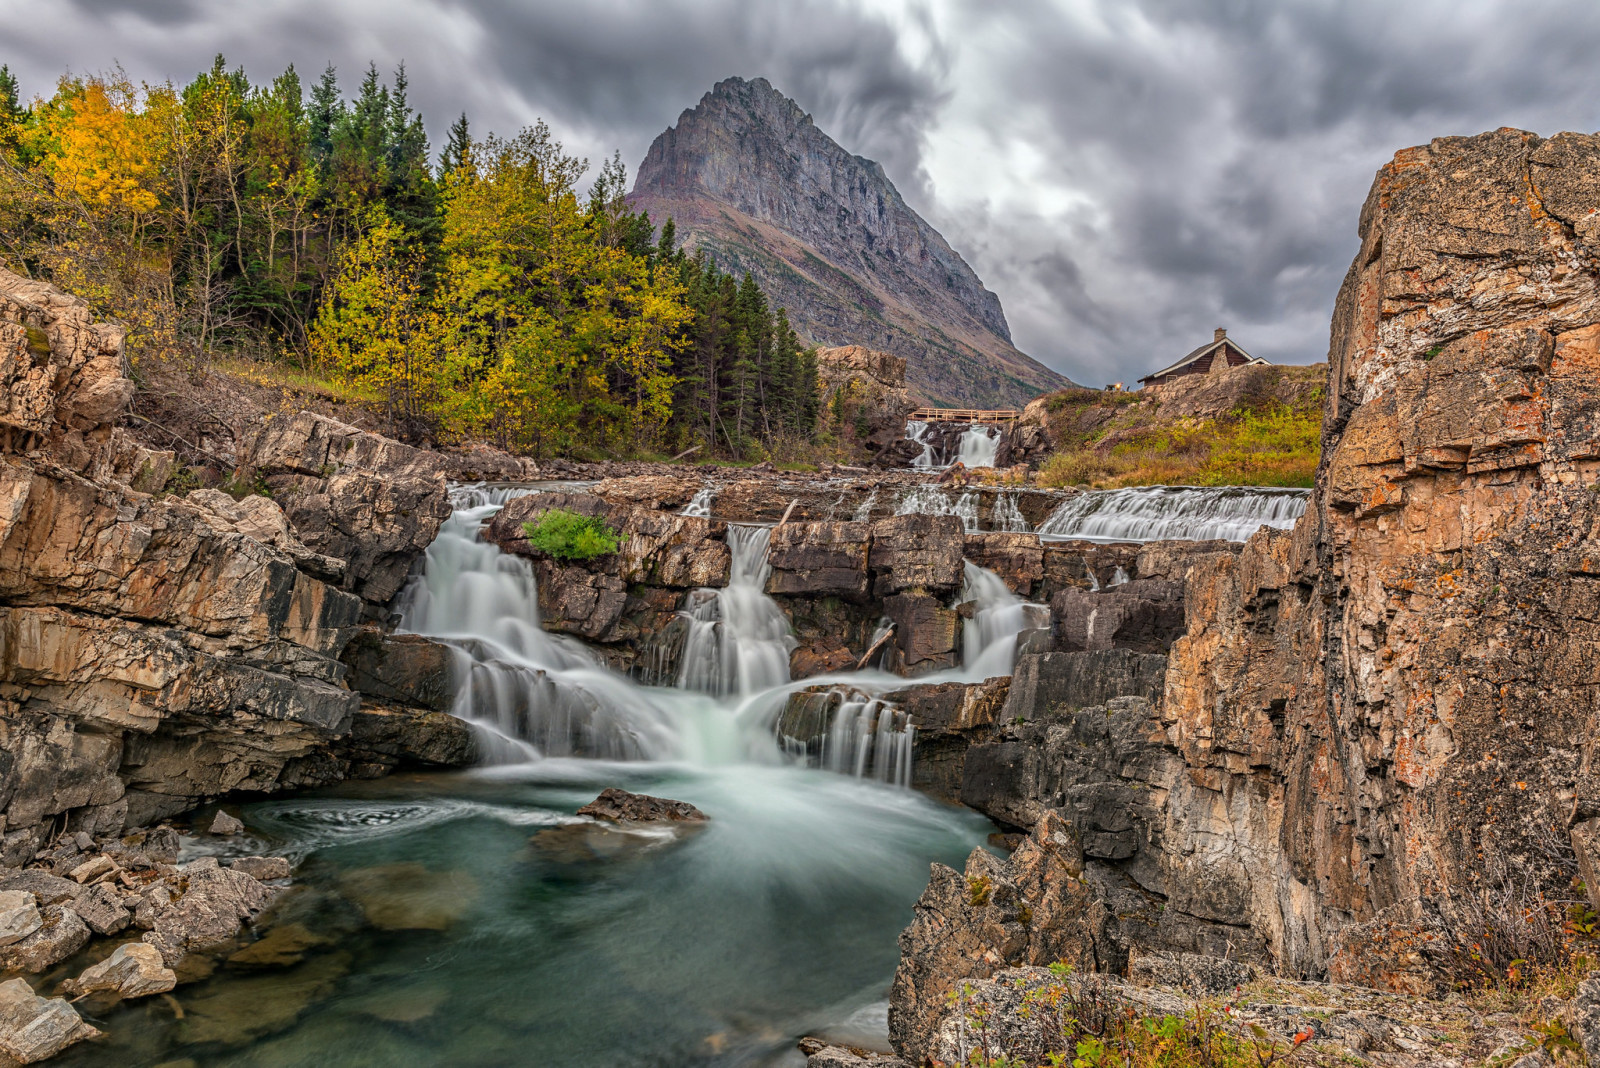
{"points": [[1253, 426]]}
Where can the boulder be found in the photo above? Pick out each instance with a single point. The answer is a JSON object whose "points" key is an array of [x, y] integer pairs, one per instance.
{"points": [[927, 634], [60, 934], [819, 559], [101, 908], [917, 552], [33, 1028], [213, 906], [404, 668], [133, 970], [384, 737], [47, 889], [225, 824], [620, 806], [19, 916]]}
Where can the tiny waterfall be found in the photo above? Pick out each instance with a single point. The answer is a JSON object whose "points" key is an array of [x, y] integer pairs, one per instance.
{"points": [[870, 738], [1007, 516], [1180, 513], [739, 639], [978, 446], [989, 638], [700, 504], [917, 431], [864, 510], [930, 500]]}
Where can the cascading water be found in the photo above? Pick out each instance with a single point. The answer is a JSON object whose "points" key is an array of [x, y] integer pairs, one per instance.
{"points": [[1179, 513], [989, 638], [917, 431], [930, 500], [1007, 516], [870, 738], [536, 693], [739, 641], [978, 446], [700, 503]]}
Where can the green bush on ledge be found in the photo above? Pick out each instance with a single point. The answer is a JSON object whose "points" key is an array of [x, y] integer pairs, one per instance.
{"points": [[566, 535]]}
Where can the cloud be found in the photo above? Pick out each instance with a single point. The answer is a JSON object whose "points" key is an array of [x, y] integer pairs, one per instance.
{"points": [[1125, 174]]}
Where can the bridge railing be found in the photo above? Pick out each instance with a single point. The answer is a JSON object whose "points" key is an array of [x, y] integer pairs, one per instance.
{"points": [[965, 415]]}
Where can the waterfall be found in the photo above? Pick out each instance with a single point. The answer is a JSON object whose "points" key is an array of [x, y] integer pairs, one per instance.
{"points": [[917, 431], [537, 694], [1181, 513], [869, 738], [989, 638], [1007, 516], [978, 446], [700, 504], [1118, 577], [739, 639], [864, 510], [931, 500]]}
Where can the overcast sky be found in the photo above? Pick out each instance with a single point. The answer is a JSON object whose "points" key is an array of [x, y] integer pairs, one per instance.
{"points": [[1125, 174]]}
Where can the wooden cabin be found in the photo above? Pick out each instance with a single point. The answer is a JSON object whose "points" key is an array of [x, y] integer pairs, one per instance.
{"points": [[1219, 354]]}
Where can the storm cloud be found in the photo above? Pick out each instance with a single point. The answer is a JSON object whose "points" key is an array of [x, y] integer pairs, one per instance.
{"points": [[1125, 174]]}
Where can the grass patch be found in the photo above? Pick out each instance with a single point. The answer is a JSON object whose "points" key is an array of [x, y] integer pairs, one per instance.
{"points": [[569, 536], [1277, 445]]}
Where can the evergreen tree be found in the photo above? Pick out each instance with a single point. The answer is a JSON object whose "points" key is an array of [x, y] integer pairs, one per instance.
{"points": [[457, 147], [11, 110]]}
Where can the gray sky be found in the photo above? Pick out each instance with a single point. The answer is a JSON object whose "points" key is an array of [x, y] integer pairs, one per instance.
{"points": [[1125, 174]]}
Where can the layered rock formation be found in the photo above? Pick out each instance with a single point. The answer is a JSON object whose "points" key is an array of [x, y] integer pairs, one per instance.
{"points": [[748, 177], [1374, 740], [156, 651]]}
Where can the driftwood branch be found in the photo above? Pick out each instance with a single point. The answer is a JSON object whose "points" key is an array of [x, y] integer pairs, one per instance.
{"points": [[685, 452], [786, 512], [883, 639]]}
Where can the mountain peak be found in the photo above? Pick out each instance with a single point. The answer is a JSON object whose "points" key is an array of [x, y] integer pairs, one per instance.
{"points": [[750, 179]]}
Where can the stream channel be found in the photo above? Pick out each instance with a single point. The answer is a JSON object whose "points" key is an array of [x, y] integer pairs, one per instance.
{"points": [[469, 919]]}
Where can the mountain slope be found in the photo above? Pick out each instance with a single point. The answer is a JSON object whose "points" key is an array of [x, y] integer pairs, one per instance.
{"points": [[749, 178]]}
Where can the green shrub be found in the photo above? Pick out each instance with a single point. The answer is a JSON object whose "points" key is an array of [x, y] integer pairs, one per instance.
{"points": [[567, 535]]}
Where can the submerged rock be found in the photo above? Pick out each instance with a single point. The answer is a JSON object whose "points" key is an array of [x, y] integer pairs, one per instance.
{"points": [[262, 868], [213, 904], [33, 1028], [409, 897], [620, 806]]}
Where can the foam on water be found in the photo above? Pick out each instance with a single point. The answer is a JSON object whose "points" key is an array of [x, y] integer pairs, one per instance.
{"points": [[1177, 513]]}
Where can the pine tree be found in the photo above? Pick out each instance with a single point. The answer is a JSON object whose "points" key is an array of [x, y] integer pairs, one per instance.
{"points": [[11, 110], [457, 152], [325, 114]]}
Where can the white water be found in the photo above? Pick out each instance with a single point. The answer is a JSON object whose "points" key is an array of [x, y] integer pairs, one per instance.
{"points": [[1007, 516], [536, 695], [739, 641], [928, 499], [700, 504], [989, 638], [917, 430], [1180, 513], [978, 446]]}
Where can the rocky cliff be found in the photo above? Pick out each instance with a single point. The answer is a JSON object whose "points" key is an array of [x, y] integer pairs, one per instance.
{"points": [[1372, 754], [157, 650], [749, 178]]}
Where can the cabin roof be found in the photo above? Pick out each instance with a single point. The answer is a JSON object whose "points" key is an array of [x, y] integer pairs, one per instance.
{"points": [[1200, 353]]}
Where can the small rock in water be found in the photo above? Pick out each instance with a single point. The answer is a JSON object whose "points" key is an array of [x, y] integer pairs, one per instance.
{"points": [[135, 970], [262, 868], [33, 1028], [226, 824], [19, 916], [619, 806]]}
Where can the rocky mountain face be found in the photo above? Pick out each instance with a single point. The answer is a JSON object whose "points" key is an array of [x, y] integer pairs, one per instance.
{"points": [[749, 178], [1372, 740], [159, 650]]}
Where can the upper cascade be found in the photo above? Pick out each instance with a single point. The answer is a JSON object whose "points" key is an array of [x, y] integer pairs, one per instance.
{"points": [[748, 177]]}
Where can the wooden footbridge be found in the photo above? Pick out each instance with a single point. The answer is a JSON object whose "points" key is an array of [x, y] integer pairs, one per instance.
{"points": [[964, 415]]}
